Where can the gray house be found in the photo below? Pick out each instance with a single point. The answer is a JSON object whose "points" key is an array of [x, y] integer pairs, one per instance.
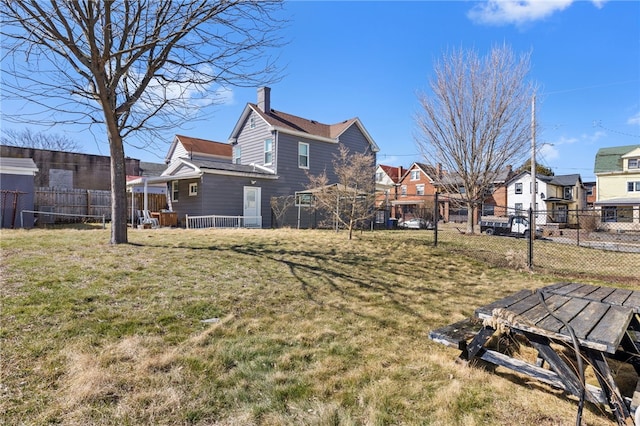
{"points": [[17, 191], [272, 154]]}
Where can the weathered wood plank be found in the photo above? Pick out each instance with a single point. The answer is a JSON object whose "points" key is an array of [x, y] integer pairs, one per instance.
{"points": [[524, 305], [565, 289], [601, 293], [633, 301], [618, 297], [609, 387], [583, 292], [486, 311], [457, 334], [588, 318], [566, 312], [612, 327], [541, 374], [476, 344], [539, 312]]}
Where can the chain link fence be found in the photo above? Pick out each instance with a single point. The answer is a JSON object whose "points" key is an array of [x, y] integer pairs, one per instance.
{"points": [[586, 243]]}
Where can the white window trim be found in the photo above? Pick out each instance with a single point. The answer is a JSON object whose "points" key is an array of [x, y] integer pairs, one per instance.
{"points": [[518, 188], [236, 152], [193, 189], [417, 174], [304, 196], [270, 152], [635, 166], [300, 144], [420, 189], [175, 191]]}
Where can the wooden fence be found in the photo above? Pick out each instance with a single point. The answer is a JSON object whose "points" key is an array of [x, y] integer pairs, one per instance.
{"points": [[89, 202]]}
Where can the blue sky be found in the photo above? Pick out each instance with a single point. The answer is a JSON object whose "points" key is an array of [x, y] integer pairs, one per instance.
{"points": [[370, 59]]}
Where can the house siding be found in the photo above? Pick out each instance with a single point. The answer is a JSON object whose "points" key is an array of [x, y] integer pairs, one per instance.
{"points": [[24, 201], [251, 141], [221, 195]]}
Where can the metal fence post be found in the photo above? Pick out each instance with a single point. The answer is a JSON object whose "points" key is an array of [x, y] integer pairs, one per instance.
{"points": [[578, 227], [436, 217]]}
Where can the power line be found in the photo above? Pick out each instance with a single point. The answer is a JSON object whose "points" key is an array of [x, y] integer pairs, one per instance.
{"points": [[598, 123]]}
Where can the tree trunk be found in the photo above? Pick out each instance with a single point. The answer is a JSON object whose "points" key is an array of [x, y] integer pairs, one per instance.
{"points": [[118, 190], [470, 216]]}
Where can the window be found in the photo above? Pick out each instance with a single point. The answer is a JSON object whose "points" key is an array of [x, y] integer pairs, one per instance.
{"points": [[303, 155], [237, 154], [252, 122], [519, 208], [620, 214], [634, 163], [304, 199], [379, 176], [415, 174], [193, 189], [633, 186], [268, 151], [419, 189], [518, 187], [403, 190], [174, 190], [568, 193]]}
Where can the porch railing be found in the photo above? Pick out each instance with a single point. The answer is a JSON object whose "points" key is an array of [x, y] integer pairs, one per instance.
{"points": [[217, 221]]}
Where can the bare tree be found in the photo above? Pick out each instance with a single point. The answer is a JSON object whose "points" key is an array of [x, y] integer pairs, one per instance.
{"points": [[351, 199], [26, 138], [476, 120], [132, 66], [280, 206]]}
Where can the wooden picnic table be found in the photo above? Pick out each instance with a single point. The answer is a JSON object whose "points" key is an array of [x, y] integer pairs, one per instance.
{"points": [[601, 322]]}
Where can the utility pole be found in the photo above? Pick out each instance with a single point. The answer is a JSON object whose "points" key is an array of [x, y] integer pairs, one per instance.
{"points": [[533, 158], [532, 212]]}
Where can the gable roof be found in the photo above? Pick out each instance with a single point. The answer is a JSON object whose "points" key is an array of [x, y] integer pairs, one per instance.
{"points": [[558, 180], [394, 173], [610, 159], [200, 146], [299, 126]]}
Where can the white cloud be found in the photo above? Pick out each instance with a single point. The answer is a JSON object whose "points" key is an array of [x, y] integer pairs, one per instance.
{"points": [[499, 12], [635, 120]]}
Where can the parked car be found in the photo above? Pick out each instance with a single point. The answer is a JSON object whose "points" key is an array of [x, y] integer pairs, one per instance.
{"points": [[415, 223]]}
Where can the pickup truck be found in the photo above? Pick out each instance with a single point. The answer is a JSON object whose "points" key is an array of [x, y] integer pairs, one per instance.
{"points": [[514, 226]]}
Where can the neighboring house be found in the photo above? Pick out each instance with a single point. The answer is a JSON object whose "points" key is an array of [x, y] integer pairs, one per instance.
{"points": [[591, 194], [272, 154], [417, 189], [70, 170], [617, 171], [387, 190], [17, 191], [557, 197], [148, 170], [196, 148], [453, 207]]}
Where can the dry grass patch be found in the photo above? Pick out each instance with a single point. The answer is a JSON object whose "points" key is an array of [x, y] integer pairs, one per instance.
{"points": [[305, 327]]}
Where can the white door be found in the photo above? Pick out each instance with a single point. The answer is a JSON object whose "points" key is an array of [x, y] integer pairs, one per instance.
{"points": [[252, 211]]}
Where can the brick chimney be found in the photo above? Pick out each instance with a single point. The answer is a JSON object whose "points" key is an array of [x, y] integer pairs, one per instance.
{"points": [[264, 99], [439, 171]]}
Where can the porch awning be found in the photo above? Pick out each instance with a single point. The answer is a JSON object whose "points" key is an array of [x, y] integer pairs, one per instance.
{"points": [[619, 202], [406, 202]]}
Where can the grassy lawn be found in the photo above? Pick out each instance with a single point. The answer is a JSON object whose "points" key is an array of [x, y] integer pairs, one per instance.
{"points": [[240, 327]]}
